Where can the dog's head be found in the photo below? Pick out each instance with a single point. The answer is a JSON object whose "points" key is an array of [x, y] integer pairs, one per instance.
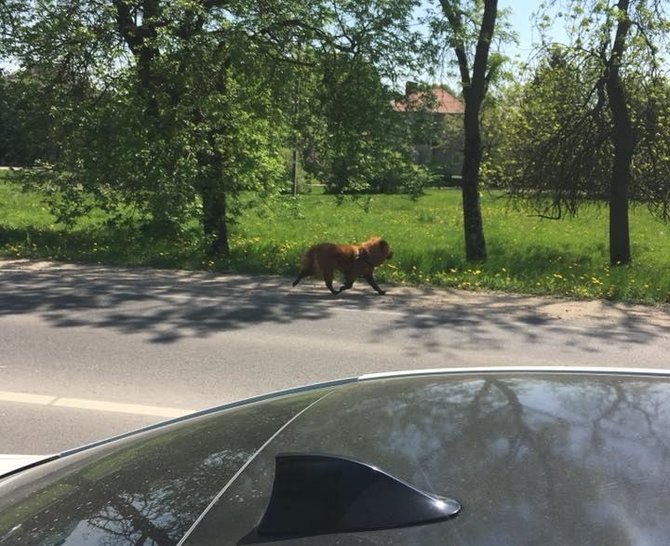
{"points": [[375, 251]]}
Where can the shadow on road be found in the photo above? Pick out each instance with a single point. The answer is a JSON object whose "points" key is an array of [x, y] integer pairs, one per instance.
{"points": [[169, 305], [490, 320]]}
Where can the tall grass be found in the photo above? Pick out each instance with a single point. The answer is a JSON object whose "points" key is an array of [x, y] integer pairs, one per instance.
{"points": [[526, 254]]}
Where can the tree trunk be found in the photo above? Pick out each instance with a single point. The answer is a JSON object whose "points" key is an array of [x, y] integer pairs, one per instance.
{"points": [[140, 38], [618, 199], [624, 145], [474, 91], [475, 244], [214, 223]]}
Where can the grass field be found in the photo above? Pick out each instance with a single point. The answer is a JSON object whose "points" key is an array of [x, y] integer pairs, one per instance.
{"points": [[526, 254]]}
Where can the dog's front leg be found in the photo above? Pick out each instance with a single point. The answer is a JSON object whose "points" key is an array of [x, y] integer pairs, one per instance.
{"points": [[371, 281]]}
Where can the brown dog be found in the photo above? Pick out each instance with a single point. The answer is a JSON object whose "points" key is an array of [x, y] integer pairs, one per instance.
{"points": [[353, 260]]}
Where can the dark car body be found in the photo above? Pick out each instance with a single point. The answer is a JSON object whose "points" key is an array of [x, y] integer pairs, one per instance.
{"points": [[534, 456]]}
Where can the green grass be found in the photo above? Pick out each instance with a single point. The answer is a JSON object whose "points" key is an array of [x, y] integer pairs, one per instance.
{"points": [[527, 254]]}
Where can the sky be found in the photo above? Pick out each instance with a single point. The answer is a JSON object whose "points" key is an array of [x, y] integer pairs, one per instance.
{"points": [[520, 18]]}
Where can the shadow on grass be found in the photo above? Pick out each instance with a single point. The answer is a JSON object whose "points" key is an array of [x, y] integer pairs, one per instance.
{"points": [[167, 306], [112, 246]]}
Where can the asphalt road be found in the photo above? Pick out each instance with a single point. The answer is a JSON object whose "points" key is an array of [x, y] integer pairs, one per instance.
{"points": [[88, 351]]}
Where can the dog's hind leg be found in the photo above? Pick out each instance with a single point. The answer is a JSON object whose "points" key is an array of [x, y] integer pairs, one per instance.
{"points": [[373, 283], [303, 273], [348, 282], [328, 277]]}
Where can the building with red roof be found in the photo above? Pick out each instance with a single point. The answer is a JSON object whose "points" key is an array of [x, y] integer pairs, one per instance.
{"points": [[444, 149]]}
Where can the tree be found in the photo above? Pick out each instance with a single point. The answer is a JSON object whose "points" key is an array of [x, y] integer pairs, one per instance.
{"points": [[550, 142], [351, 138], [583, 118], [165, 107], [623, 137], [365, 146], [650, 105], [200, 72], [471, 24], [175, 108]]}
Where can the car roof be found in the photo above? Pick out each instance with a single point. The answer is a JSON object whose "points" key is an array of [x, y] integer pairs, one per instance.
{"points": [[552, 456], [533, 457]]}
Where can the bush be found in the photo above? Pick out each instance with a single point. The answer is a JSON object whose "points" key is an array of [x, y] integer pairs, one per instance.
{"points": [[387, 172]]}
